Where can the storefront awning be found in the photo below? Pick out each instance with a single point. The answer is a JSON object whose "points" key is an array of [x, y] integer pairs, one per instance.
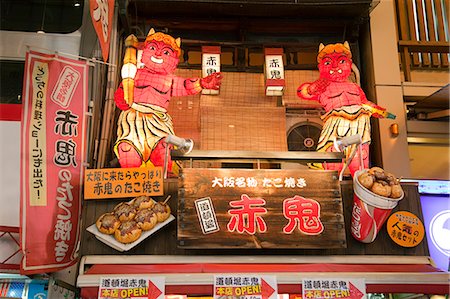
{"points": [[193, 275]]}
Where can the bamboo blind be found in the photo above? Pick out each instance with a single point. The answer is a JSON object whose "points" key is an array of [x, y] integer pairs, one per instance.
{"points": [[185, 111], [243, 128], [293, 80], [240, 90], [229, 121]]}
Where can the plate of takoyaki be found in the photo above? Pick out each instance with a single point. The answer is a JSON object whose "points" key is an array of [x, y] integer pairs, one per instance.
{"points": [[131, 222]]}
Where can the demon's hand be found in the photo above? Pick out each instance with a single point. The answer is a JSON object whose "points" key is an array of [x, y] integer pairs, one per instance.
{"points": [[119, 98], [212, 81], [318, 86], [378, 112]]}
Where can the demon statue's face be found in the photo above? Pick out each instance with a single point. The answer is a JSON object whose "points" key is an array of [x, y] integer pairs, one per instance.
{"points": [[160, 57], [335, 67]]}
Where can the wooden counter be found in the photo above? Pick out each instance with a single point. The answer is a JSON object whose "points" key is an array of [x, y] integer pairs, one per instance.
{"points": [[164, 242]]}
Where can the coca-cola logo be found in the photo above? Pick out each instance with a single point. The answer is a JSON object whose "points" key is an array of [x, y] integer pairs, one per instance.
{"points": [[356, 221]]}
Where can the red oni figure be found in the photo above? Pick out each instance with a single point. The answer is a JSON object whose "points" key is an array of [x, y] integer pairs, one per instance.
{"points": [[304, 213], [347, 110], [247, 217], [144, 122]]}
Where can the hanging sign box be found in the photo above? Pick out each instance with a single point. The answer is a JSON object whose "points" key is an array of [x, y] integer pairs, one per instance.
{"points": [[274, 71], [260, 208], [210, 64]]}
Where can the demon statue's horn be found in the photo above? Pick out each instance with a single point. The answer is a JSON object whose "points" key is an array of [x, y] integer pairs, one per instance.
{"points": [[152, 31], [321, 46], [178, 41], [346, 45]]}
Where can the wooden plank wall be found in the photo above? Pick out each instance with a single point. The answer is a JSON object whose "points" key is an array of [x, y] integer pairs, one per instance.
{"points": [[165, 241], [423, 34]]}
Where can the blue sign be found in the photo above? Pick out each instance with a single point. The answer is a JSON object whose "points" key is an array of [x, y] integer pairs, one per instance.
{"points": [[12, 289], [436, 216], [38, 290]]}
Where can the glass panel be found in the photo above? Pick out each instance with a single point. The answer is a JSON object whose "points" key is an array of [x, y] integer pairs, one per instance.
{"points": [[51, 16], [11, 77]]}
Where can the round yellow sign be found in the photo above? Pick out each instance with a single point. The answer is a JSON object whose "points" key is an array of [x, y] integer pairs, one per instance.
{"points": [[405, 229]]}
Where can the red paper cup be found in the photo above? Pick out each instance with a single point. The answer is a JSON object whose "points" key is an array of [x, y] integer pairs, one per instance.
{"points": [[369, 211]]}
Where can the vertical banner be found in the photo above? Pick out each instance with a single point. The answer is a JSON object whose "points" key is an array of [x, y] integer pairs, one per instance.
{"points": [[53, 144], [102, 12]]}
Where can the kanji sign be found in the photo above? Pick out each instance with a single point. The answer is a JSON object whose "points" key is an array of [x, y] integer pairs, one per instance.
{"points": [[53, 142], [274, 71], [260, 208], [210, 64], [405, 229], [131, 287], [123, 182], [333, 288], [206, 215], [245, 287]]}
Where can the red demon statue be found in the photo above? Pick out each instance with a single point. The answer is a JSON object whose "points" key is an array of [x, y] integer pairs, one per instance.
{"points": [[347, 110], [144, 96]]}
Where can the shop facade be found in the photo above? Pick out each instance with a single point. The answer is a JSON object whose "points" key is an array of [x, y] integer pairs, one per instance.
{"points": [[254, 129]]}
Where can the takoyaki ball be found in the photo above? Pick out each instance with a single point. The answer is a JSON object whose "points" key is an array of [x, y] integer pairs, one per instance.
{"points": [[124, 211], [397, 191], [107, 223], [162, 211], [378, 173], [146, 219], [143, 202], [381, 188], [366, 179], [128, 232]]}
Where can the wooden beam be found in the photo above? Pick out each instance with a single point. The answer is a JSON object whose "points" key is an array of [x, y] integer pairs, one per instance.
{"points": [[425, 46], [438, 114], [267, 156]]}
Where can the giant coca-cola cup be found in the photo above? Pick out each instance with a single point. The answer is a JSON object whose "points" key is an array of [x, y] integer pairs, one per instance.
{"points": [[369, 211]]}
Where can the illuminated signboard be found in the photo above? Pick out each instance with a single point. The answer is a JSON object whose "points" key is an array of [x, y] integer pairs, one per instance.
{"points": [[264, 208]]}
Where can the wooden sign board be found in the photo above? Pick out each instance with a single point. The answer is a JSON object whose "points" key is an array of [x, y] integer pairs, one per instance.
{"points": [[260, 208], [123, 182]]}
